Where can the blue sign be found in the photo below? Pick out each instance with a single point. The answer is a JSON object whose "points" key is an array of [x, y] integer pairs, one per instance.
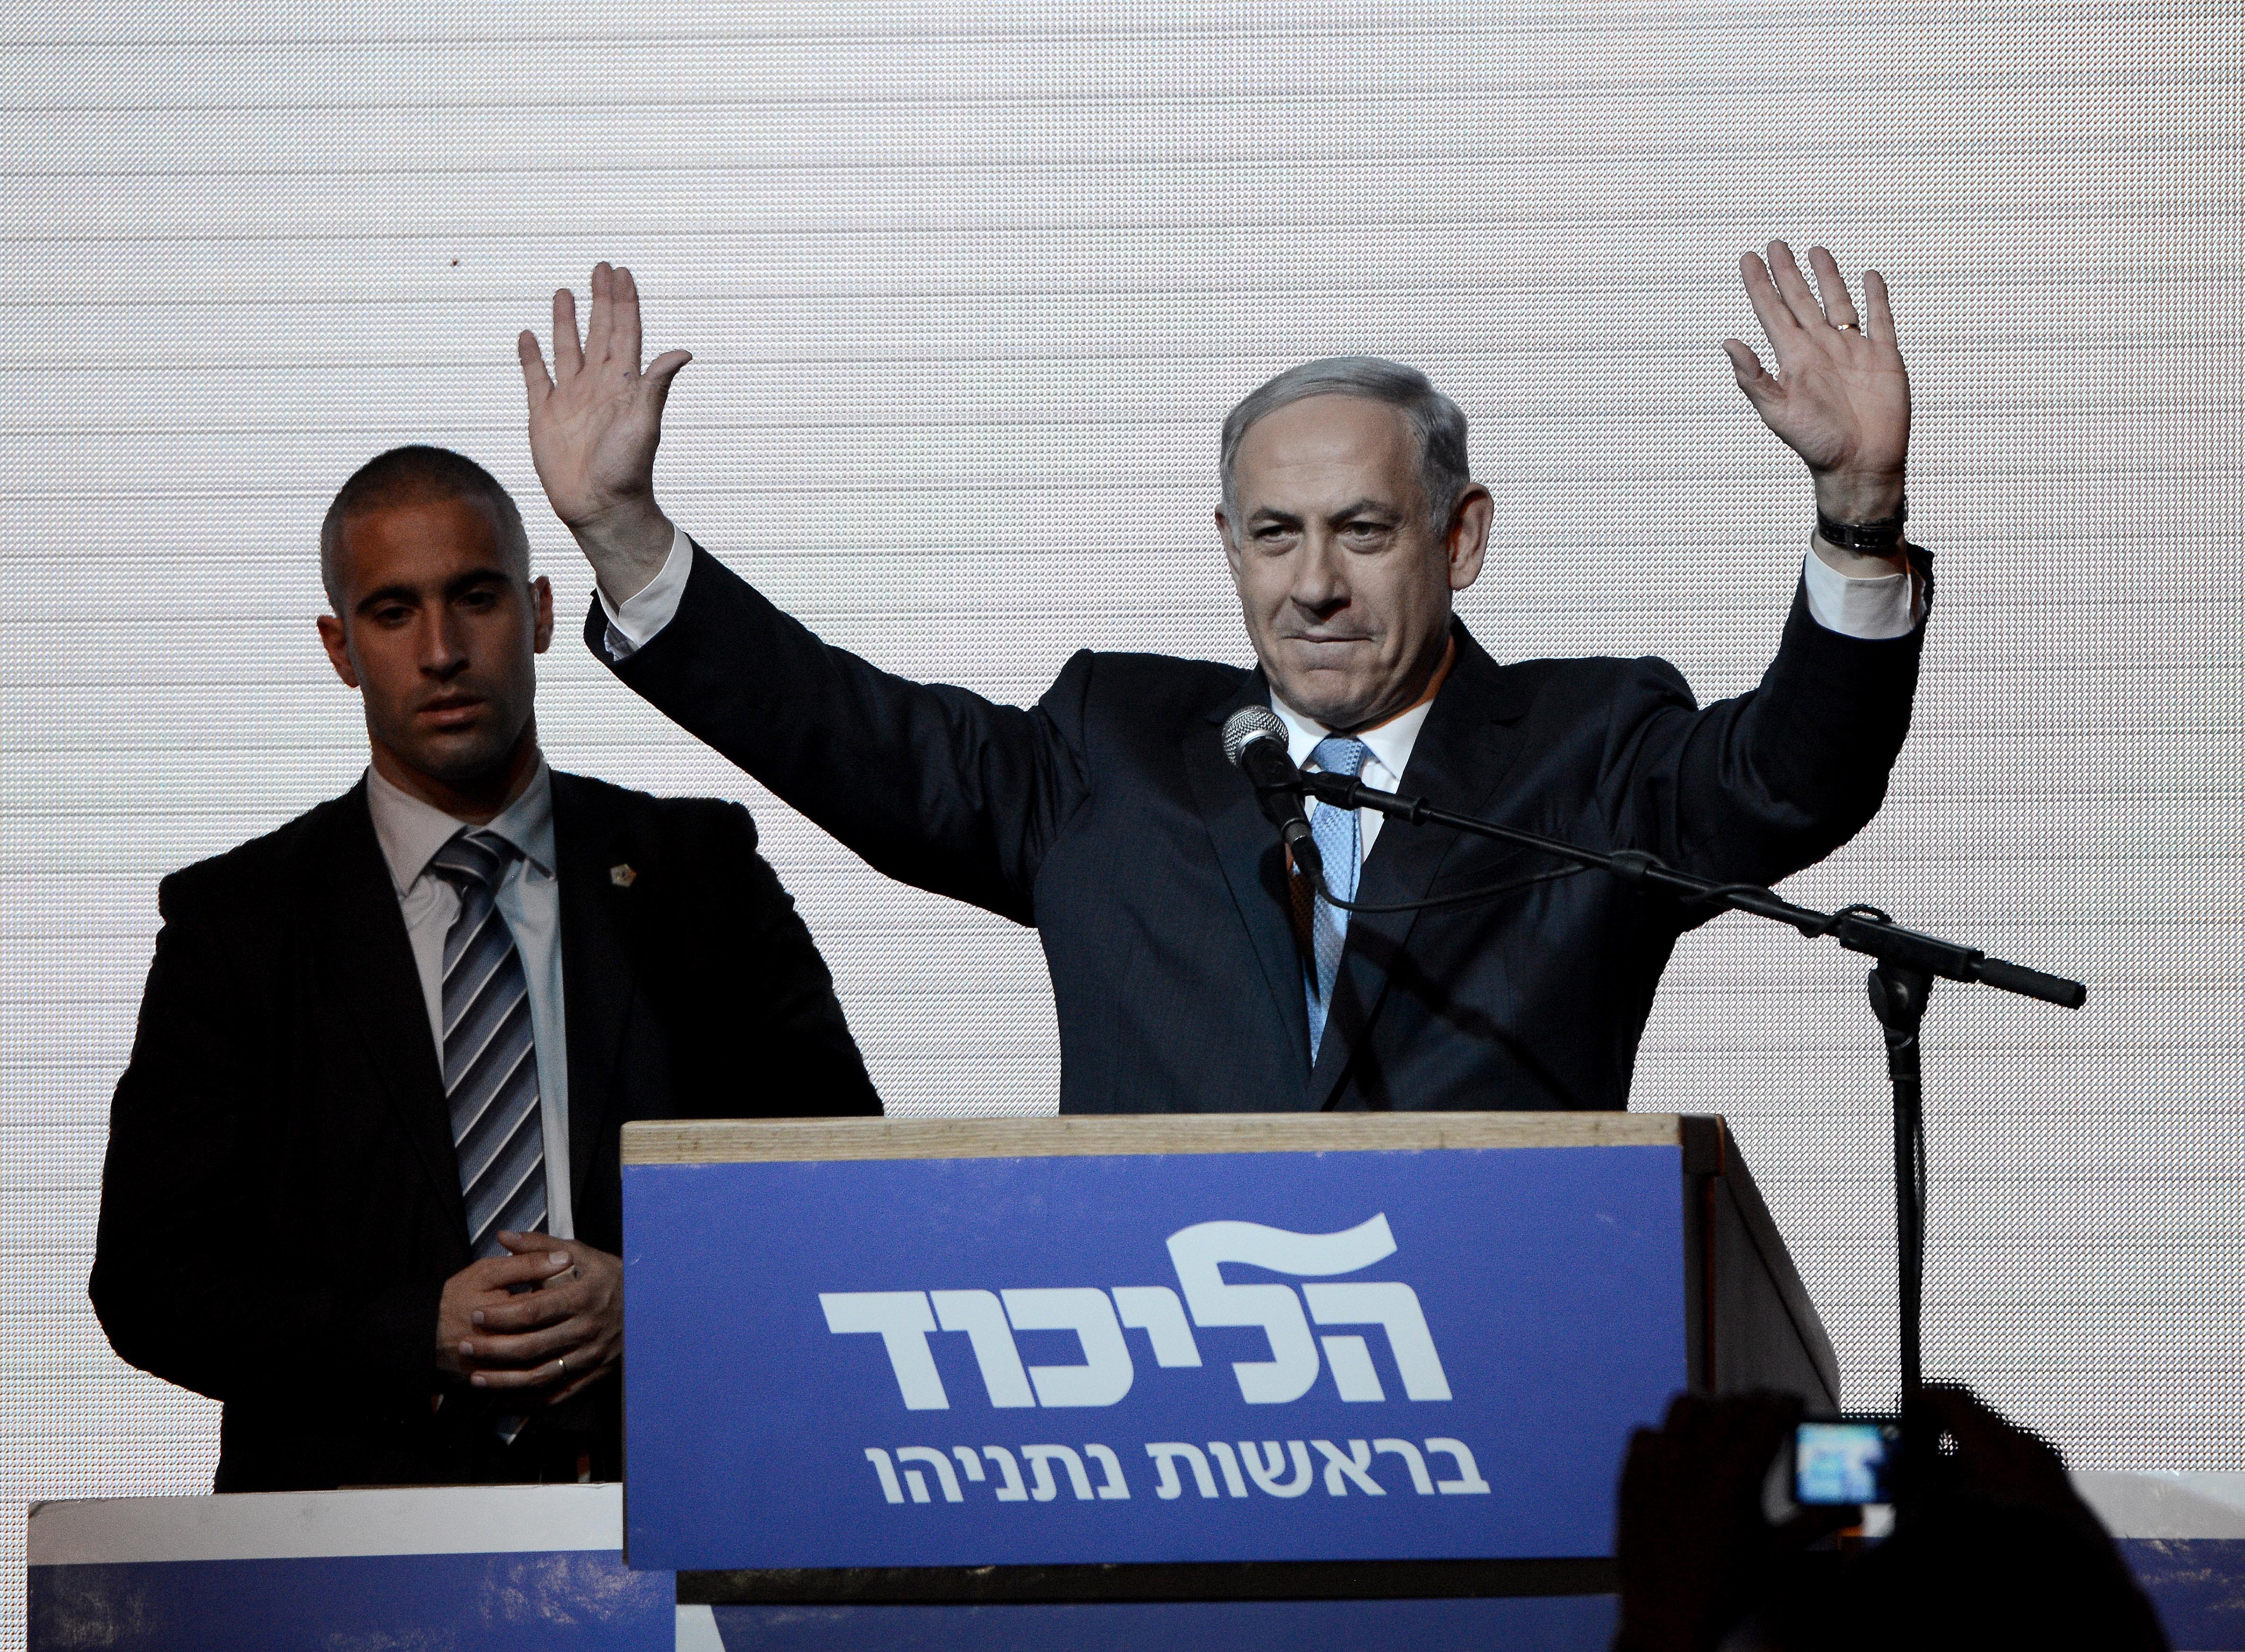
{"points": [[485, 1568], [1144, 1358], [571, 1602], [1519, 1623]]}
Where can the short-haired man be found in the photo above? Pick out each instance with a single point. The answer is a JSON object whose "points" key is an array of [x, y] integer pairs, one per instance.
{"points": [[363, 1182], [1191, 971]]}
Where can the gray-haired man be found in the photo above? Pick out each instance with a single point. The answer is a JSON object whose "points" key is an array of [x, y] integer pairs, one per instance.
{"points": [[1191, 970]]}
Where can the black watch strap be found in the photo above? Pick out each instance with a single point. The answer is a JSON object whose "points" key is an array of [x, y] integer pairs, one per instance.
{"points": [[1880, 538]]}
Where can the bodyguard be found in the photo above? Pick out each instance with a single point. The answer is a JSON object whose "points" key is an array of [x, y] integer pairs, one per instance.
{"points": [[363, 1182]]}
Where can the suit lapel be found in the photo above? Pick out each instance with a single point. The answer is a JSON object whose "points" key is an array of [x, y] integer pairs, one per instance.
{"points": [[1461, 757], [1254, 866], [366, 963], [598, 913]]}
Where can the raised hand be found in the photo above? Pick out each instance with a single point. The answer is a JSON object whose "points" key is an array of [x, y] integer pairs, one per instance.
{"points": [[595, 423], [1840, 397]]}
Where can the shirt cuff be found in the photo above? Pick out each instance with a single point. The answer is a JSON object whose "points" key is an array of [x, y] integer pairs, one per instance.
{"points": [[634, 625], [1872, 610]]}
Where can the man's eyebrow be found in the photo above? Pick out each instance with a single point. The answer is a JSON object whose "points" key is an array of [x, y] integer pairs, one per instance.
{"points": [[470, 580], [454, 588], [1367, 506], [387, 594]]}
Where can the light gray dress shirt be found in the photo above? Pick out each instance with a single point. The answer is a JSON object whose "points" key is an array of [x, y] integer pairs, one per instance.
{"points": [[529, 898]]}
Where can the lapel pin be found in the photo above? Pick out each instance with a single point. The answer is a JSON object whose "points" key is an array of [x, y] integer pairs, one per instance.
{"points": [[622, 877]]}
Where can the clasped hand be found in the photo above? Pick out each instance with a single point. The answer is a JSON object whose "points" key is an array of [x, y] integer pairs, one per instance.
{"points": [[561, 1336]]}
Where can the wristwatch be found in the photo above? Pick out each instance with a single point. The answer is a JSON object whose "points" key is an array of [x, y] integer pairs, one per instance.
{"points": [[1880, 538]]}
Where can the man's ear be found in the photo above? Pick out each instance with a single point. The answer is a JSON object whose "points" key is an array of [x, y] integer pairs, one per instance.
{"points": [[1467, 544], [541, 602], [334, 640], [1231, 550]]}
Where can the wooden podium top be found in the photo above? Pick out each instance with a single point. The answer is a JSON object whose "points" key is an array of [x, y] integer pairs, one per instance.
{"points": [[745, 1141]]}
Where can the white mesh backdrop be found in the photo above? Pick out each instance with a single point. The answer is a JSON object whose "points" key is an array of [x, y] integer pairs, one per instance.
{"points": [[969, 293]]}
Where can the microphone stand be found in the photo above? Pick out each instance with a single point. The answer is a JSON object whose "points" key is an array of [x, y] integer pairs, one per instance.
{"points": [[1907, 963]]}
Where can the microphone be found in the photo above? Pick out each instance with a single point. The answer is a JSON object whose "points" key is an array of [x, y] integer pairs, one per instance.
{"points": [[1255, 741]]}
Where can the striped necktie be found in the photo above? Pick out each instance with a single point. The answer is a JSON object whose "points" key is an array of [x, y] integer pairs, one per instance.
{"points": [[1338, 844], [490, 1063]]}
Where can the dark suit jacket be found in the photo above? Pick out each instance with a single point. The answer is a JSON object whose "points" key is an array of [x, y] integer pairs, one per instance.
{"points": [[1107, 816], [280, 1205]]}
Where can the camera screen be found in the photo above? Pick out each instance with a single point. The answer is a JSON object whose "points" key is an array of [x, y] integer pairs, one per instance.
{"points": [[1843, 1462]]}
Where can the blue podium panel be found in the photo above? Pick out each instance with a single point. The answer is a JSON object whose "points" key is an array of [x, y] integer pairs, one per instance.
{"points": [[1144, 1357], [466, 1569], [1551, 1623], [2183, 1535]]}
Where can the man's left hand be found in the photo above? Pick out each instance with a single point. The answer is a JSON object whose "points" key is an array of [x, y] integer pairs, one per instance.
{"points": [[1840, 397], [562, 1338]]}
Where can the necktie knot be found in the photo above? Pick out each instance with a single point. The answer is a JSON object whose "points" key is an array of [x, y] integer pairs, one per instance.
{"points": [[1340, 754], [479, 858]]}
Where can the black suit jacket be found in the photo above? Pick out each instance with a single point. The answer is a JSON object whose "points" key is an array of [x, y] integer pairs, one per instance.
{"points": [[1107, 816], [280, 1205]]}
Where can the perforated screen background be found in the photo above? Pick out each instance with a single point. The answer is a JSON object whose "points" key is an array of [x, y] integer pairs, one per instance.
{"points": [[970, 289]]}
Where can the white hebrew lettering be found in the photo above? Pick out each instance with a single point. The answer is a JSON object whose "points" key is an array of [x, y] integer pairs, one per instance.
{"points": [[936, 1460], [1229, 1465], [1104, 1376], [1155, 1311], [977, 1313], [1354, 1467], [1421, 1482], [969, 1464], [1041, 1459], [1393, 1306], [1265, 1473], [1469, 1477], [903, 1322], [1199, 1253], [882, 1467], [1351, 1363], [1008, 1471], [1114, 1489], [1166, 1454]]}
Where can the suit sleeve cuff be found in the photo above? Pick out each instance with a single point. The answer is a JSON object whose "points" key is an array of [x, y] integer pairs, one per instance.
{"points": [[1871, 610], [388, 1341], [634, 624]]}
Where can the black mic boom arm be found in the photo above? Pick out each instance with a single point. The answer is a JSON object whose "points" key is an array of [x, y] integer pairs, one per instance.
{"points": [[1860, 929]]}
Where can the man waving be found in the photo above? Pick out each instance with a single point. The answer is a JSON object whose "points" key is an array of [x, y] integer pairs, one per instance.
{"points": [[1192, 970]]}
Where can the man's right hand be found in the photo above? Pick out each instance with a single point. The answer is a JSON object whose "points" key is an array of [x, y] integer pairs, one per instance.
{"points": [[594, 426], [482, 1287]]}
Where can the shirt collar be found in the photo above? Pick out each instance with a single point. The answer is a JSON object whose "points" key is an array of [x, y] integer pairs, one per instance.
{"points": [[1389, 745], [412, 831]]}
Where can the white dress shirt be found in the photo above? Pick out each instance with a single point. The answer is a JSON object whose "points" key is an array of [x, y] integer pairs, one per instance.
{"points": [[529, 898], [632, 625], [1387, 753], [1872, 610]]}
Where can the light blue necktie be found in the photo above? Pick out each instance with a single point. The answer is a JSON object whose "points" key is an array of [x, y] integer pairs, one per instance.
{"points": [[490, 1064], [1335, 832]]}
